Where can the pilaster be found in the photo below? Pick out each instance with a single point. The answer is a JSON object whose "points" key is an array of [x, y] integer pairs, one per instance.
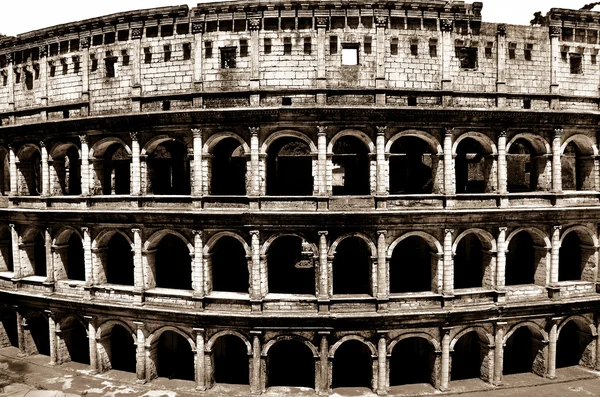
{"points": [[198, 177], [254, 171], [556, 161], [383, 290], [502, 164], [381, 24], [256, 273], [140, 352], [382, 163], [500, 329], [16, 253], [135, 165], [448, 289], [45, 169], [256, 380], [85, 166], [12, 158], [138, 267], [198, 281], [555, 253], [198, 31], [199, 357], [445, 370], [555, 33], [322, 160], [254, 25], [447, 48], [500, 65], [449, 180], [93, 345]]}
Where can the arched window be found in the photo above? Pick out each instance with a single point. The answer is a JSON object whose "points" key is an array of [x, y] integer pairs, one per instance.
{"points": [[577, 258], [469, 263], [473, 167], [525, 167], [521, 261], [352, 365], [39, 255], [290, 363], [352, 267], [30, 170], [169, 169], [413, 361], [575, 346], [291, 258], [229, 266], [66, 171], [470, 357], [412, 166], [72, 258], [350, 167], [228, 168], [75, 339], [522, 351], [289, 168], [116, 174], [411, 267], [174, 357], [37, 338], [117, 349], [119, 261], [173, 263], [578, 167], [231, 363]]}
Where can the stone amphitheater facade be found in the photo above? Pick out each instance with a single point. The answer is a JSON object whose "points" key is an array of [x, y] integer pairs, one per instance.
{"points": [[302, 193]]}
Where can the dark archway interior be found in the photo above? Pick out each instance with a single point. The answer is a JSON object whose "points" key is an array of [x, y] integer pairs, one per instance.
{"points": [[467, 357], [40, 333], [39, 255], [352, 365], [289, 168], [34, 179], [231, 360], [520, 260], [410, 266], [571, 345], [230, 266], [75, 262], [412, 361], [119, 261], [468, 263], [173, 263], [411, 166], [116, 170], [290, 363], [291, 267], [570, 258], [471, 170], [350, 167], [71, 184], [122, 349], [4, 172], [9, 324], [169, 170], [228, 168], [522, 172], [175, 359], [519, 352], [352, 267], [572, 168], [77, 343]]}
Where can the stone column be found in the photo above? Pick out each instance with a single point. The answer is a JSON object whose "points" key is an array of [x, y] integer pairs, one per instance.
{"points": [[52, 335], [198, 182], [381, 25], [597, 367], [198, 281], [556, 163], [554, 254], [323, 267], [449, 180], [21, 333], [254, 26], [448, 263], [553, 339], [322, 160], [501, 259], [17, 273], [502, 165], [197, 31], [136, 51], [447, 49], [135, 165], [10, 82], [382, 362], [84, 43], [85, 166], [200, 364], [322, 23], [138, 266], [383, 289], [87, 256], [445, 370], [500, 64], [45, 170], [324, 363], [555, 63], [256, 384], [499, 352], [255, 278], [93, 344], [49, 256], [43, 57], [254, 171], [382, 163], [12, 164], [140, 352]]}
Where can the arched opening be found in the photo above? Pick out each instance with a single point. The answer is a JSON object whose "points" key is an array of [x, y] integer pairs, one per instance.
{"points": [[412, 166], [8, 328], [231, 360], [289, 168], [473, 167], [469, 266], [523, 353], [229, 266], [571, 258], [577, 163], [122, 349], [350, 167], [66, 171], [228, 168], [352, 365], [76, 342], [4, 172], [521, 260], [352, 267], [290, 363], [169, 171], [38, 335], [6, 252], [291, 258], [39, 255], [173, 263], [411, 266], [119, 261], [469, 357], [413, 361], [115, 170], [69, 262], [574, 347], [174, 357], [30, 171], [525, 167]]}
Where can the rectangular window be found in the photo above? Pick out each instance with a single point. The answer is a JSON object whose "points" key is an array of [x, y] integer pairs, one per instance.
{"points": [[74, 45], [64, 47], [526, 103], [350, 54], [394, 46], [152, 31], [307, 46], [94, 65], [287, 46], [187, 51], [580, 35], [208, 49], [228, 57], [512, 50], [183, 28], [433, 43], [243, 48], [467, 57], [333, 45], [167, 51], [17, 77], [576, 63], [76, 64], [110, 64], [564, 52], [489, 48], [267, 46], [97, 39], [412, 101], [53, 49], [594, 58], [65, 66], [123, 35], [368, 46], [125, 57], [109, 38], [592, 36], [36, 71], [414, 47], [147, 55], [166, 30], [567, 34], [528, 51]]}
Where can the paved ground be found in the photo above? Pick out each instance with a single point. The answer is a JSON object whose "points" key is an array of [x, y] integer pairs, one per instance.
{"points": [[33, 377]]}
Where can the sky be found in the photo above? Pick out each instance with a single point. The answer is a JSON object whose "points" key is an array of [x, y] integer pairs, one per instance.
{"points": [[17, 17]]}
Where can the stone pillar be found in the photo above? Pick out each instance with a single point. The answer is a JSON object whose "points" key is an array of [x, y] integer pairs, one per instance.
{"points": [[84, 43], [45, 169], [138, 267], [448, 289], [499, 352], [87, 256], [597, 367], [93, 344], [254, 171], [256, 383], [556, 163], [322, 23], [449, 180], [200, 364], [382, 163], [323, 267], [12, 164], [445, 370], [555, 63], [383, 289], [502, 165], [136, 184], [197, 161], [10, 81], [322, 160], [500, 64], [254, 26], [382, 363], [501, 259], [198, 281], [447, 49], [140, 352], [554, 256], [43, 57], [136, 62], [16, 256], [49, 256], [552, 339], [324, 363], [85, 166], [21, 333], [255, 277], [381, 25], [197, 31], [52, 335]]}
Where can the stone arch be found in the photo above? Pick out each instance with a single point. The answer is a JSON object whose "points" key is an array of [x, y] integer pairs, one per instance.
{"points": [[526, 349], [359, 338], [584, 233], [367, 240], [353, 268], [155, 335], [214, 139], [208, 246], [486, 143], [268, 242], [472, 354], [578, 255], [434, 144], [474, 259], [107, 325], [414, 358], [423, 335], [583, 142], [539, 237], [434, 244], [475, 163], [277, 356], [114, 348], [287, 133], [539, 143], [29, 170], [100, 147], [110, 160], [582, 322], [225, 157], [155, 141], [155, 238], [364, 138], [68, 255], [576, 342], [481, 331], [176, 349], [212, 340], [65, 171], [103, 248], [71, 341], [353, 362], [36, 332], [535, 329], [486, 238], [8, 326], [62, 235], [167, 259], [165, 171], [351, 166], [228, 354], [528, 166], [270, 343], [579, 164], [227, 257], [104, 236], [289, 256]]}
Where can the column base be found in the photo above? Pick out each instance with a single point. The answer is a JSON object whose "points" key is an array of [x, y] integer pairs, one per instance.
{"points": [[323, 306], [500, 296], [553, 291], [382, 305], [141, 381], [256, 306], [447, 301]]}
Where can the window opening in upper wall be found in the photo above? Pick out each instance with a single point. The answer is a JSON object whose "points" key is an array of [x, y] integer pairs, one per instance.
{"points": [[147, 55], [125, 57], [368, 46], [592, 36], [243, 48], [333, 45], [167, 52], [287, 46], [394, 46], [228, 57], [110, 63], [187, 51], [467, 57], [123, 35], [53, 49], [489, 48], [65, 65], [580, 35], [567, 34], [512, 50], [350, 54], [239, 25], [433, 47], [208, 49], [64, 47], [305, 23], [267, 46], [152, 31], [528, 51], [288, 23], [109, 38], [414, 47], [76, 63], [307, 46], [576, 63], [166, 30]]}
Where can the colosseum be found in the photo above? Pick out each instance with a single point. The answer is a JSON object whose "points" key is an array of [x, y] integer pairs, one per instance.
{"points": [[318, 194]]}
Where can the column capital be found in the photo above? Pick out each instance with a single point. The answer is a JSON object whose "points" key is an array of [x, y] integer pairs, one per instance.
{"points": [[254, 130], [84, 42], [134, 135], [197, 27], [135, 230], [198, 330], [83, 139], [381, 232], [255, 332], [557, 227], [448, 131], [136, 33], [10, 57], [322, 22], [501, 31], [197, 132], [197, 233], [254, 233], [502, 134], [43, 51], [381, 21], [381, 129], [42, 144], [446, 25], [558, 131], [11, 225], [139, 324], [254, 24], [321, 129], [85, 229], [503, 229], [448, 231], [555, 31], [323, 233]]}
